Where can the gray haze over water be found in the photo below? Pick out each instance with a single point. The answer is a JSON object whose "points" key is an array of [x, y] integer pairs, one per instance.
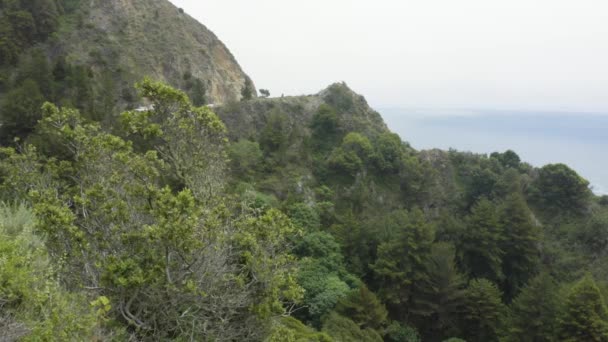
{"points": [[578, 140], [515, 54]]}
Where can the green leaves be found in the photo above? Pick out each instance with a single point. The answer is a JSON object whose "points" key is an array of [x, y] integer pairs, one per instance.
{"points": [[173, 258], [191, 140], [440, 296], [484, 311], [480, 243], [33, 305], [401, 260], [522, 236], [559, 188], [364, 308], [533, 313], [585, 316], [354, 153]]}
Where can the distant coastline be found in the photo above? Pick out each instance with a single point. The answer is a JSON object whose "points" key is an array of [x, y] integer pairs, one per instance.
{"points": [[578, 140]]}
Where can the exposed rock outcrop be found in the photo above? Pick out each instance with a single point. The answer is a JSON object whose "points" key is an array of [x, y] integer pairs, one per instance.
{"points": [[152, 38]]}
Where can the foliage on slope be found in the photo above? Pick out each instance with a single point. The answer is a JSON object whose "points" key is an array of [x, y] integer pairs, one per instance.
{"points": [[302, 219], [88, 54]]}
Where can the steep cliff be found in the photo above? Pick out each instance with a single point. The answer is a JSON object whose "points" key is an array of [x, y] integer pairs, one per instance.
{"points": [[154, 38]]}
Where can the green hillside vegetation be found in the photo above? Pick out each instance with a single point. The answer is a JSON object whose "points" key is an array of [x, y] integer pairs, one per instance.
{"points": [[267, 219], [88, 55]]}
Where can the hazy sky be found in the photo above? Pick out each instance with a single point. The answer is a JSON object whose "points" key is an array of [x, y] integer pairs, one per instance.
{"points": [[507, 54]]}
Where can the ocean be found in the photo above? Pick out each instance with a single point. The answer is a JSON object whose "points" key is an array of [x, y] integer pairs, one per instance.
{"points": [[539, 138]]}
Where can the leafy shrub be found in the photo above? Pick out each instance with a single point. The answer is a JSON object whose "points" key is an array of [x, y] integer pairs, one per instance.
{"points": [[245, 157], [305, 216], [354, 153], [397, 332], [343, 329]]}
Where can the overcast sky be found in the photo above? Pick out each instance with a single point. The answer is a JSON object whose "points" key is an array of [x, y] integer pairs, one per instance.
{"points": [[507, 54]]}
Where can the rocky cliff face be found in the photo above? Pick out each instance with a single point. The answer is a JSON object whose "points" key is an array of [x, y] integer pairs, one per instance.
{"points": [[152, 38]]}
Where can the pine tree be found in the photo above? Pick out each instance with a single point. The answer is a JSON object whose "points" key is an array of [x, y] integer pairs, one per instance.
{"points": [[585, 316], [440, 297], [520, 244], [364, 308], [401, 261], [533, 313], [480, 244], [483, 311]]}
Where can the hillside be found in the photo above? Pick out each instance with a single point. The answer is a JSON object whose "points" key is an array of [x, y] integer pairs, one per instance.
{"points": [[153, 38], [89, 54], [248, 118], [300, 218]]}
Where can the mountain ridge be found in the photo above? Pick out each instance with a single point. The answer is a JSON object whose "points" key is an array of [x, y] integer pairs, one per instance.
{"points": [[156, 39]]}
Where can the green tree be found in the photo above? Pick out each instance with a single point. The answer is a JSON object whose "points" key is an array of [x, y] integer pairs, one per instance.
{"points": [[480, 184], [521, 259], [265, 92], [559, 188], [248, 91], [480, 244], [533, 313], [245, 158], [323, 289], [191, 140], [323, 247], [440, 296], [23, 25], [20, 111], [9, 48], [483, 311], [364, 308], [593, 234], [353, 154], [289, 329], [322, 275], [585, 316], [305, 216], [401, 261], [339, 96], [325, 128], [35, 66], [46, 17], [342, 329], [275, 135], [388, 152], [397, 332], [33, 304], [510, 182], [198, 92], [508, 159], [171, 261], [358, 242]]}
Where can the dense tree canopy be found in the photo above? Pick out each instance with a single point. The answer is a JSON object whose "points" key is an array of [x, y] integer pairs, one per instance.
{"points": [[314, 223], [558, 187]]}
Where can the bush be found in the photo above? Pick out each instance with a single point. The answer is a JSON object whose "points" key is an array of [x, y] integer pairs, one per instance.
{"points": [[32, 303], [354, 153], [245, 157], [397, 332], [305, 216], [340, 97], [324, 128], [344, 329]]}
